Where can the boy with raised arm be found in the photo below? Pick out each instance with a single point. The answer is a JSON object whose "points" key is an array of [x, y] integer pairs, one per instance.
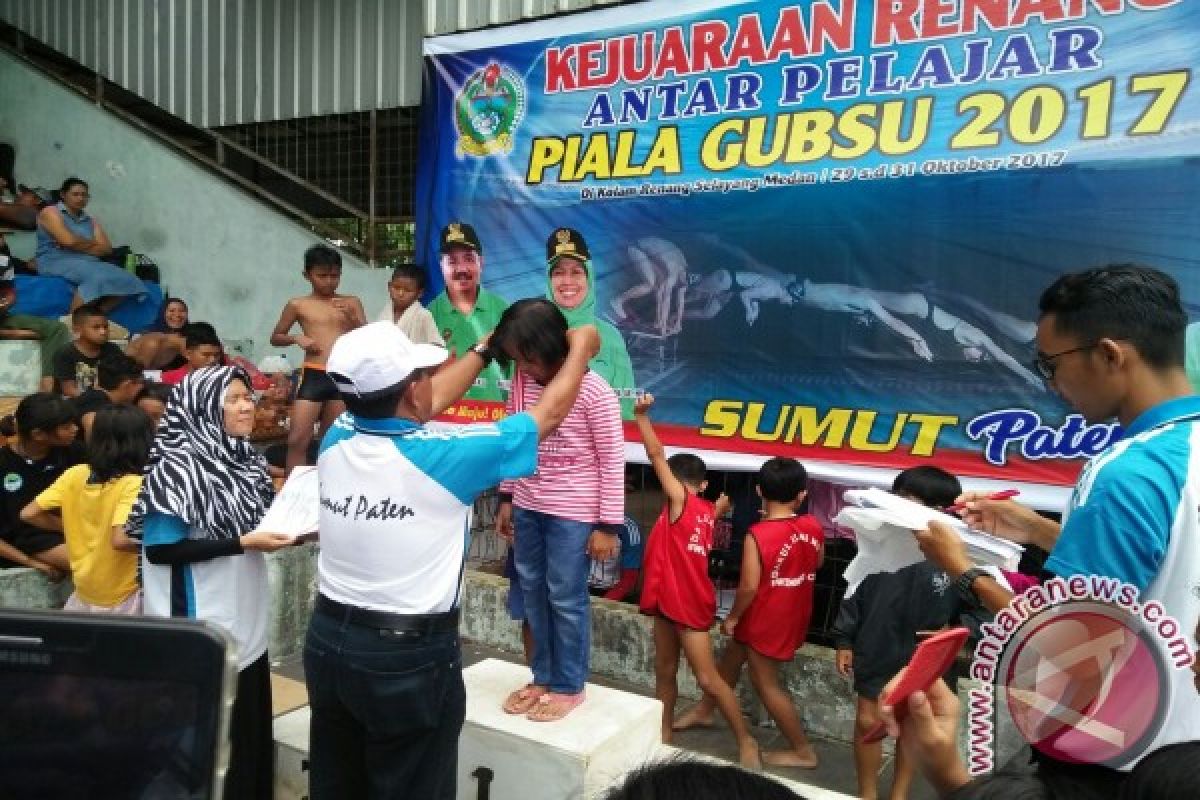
{"points": [[773, 606], [677, 591]]}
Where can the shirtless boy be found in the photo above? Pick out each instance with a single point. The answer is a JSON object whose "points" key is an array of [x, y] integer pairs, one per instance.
{"points": [[324, 315]]}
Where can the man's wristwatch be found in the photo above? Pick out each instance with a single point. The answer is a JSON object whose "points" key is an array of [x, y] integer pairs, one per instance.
{"points": [[483, 351], [965, 583]]}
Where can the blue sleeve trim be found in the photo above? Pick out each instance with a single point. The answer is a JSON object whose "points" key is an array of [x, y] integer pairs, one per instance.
{"points": [[469, 459], [163, 529], [341, 430], [190, 583], [1123, 529]]}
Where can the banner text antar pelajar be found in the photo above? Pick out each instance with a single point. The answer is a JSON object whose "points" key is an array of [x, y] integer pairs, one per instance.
{"points": [[716, 67]]}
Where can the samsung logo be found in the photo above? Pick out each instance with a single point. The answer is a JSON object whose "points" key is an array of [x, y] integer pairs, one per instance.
{"points": [[25, 657]]}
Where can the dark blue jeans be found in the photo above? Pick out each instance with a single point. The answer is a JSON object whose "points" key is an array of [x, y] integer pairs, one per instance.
{"points": [[387, 709], [552, 569]]}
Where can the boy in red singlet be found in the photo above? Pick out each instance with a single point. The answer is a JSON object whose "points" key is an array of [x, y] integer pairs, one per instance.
{"points": [[773, 606], [676, 589]]}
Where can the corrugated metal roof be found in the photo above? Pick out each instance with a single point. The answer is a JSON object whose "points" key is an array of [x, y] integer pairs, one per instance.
{"points": [[451, 16], [225, 62]]}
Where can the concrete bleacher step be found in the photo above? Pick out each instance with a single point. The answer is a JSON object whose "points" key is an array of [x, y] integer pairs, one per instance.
{"points": [[20, 367], [21, 359], [581, 756]]}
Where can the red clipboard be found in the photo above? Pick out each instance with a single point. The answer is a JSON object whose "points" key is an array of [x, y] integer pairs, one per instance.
{"points": [[928, 663]]}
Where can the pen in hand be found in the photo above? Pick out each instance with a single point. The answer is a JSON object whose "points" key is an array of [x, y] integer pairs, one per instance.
{"points": [[1006, 494]]}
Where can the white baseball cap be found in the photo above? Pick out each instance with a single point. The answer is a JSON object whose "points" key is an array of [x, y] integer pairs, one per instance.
{"points": [[376, 358]]}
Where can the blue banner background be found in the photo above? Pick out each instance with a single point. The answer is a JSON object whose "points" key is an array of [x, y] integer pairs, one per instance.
{"points": [[969, 244]]}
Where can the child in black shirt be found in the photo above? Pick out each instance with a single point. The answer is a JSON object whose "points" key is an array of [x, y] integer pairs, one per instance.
{"points": [[46, 428], [75, 364], [876, 629]]}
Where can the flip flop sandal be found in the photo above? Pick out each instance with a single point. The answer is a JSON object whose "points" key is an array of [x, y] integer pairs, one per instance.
{"points": [[522, 700], [551, 707]]}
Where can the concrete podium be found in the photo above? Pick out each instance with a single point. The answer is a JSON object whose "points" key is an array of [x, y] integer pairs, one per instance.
{"points": [[507, 757], [503, 757], [291, 754]]}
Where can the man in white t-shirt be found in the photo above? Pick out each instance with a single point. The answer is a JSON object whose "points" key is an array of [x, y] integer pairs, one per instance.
{"points": [[382, 657]]}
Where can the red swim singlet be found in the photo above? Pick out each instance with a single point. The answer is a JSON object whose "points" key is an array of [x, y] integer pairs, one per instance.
{"points": [[676, 583], [777, 620]]}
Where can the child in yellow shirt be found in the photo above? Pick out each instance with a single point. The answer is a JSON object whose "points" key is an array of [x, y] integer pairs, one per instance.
{"points": [[93, 501]]}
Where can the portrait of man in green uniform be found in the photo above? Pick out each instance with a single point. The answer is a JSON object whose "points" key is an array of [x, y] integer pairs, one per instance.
{"points": [[465, 311]]}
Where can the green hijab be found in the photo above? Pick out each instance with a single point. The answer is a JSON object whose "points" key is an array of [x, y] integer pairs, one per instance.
{"points": [[1191, 354], [612, 362]]}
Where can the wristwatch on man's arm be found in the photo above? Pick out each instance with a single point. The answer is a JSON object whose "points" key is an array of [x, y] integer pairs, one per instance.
{"points": [[965, 585], [482, 350]]}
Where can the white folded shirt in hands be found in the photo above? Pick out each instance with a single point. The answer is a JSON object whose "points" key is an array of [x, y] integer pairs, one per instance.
{"points": [[883, 524]]}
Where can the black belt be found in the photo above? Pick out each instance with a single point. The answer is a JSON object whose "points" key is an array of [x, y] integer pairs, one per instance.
{"points": [[384, 620]]}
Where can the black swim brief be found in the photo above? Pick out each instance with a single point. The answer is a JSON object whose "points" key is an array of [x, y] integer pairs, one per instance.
{"points": [[316, 386]]}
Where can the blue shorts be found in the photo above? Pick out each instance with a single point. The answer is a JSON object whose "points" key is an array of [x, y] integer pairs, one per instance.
{"points": [[91, 276]]}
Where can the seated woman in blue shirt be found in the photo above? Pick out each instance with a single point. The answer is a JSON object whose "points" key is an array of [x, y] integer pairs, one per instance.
{"points": [[71, 245]]}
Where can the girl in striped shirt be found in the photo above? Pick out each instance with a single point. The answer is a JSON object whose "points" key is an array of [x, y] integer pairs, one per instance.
{"points": [[569, 511]]}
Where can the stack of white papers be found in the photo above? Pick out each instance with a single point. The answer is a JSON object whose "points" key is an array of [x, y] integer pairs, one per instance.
{"points": [[884, 522], [297, 507]]}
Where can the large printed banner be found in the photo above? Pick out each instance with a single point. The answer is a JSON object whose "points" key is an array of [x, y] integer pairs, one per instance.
{"points": [[821, 228]]}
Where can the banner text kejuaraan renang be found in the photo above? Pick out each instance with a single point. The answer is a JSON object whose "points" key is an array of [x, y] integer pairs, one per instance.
{"points": [[715, 68]]}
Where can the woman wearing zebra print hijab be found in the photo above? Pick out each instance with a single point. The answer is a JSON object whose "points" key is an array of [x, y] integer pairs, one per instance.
{"points": [[205, 491]]}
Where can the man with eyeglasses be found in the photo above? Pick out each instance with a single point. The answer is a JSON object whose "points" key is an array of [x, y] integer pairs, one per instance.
{"points": [[1111, 344]]}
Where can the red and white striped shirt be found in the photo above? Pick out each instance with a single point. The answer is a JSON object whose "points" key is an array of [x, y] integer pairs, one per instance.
{"points": [[581, 466]]}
